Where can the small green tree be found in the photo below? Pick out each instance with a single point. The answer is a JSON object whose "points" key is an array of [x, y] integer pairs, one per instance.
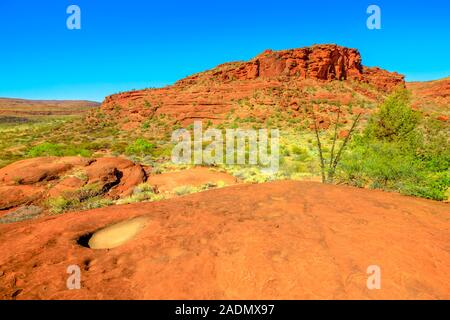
{"points": [[395, 120], [398, 152], [140, 147]]}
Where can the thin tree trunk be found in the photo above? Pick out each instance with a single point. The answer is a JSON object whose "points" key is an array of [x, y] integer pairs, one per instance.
{"points": [[322, 162], [338, 156], [334, 143]]}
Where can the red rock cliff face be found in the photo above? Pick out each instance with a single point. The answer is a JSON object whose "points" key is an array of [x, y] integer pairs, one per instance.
{"points": [[321, 62], [209, 95], [325, 62]]}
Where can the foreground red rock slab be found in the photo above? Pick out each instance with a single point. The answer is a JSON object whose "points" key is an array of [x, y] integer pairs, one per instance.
{"points": [[281, 240]]}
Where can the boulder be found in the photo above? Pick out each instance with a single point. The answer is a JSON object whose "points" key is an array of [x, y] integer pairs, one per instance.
{"points": [[13, 196], [32, 171]]}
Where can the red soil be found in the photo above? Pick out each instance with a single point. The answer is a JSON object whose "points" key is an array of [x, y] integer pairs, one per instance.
{"points": [[282, 240]]}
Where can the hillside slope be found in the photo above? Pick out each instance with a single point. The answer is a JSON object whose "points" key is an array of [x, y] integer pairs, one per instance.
{"points": [[26, 108], [432, 96]]}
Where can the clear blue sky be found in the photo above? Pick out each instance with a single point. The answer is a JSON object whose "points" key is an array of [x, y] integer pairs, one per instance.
{"points": [[126, 44]]}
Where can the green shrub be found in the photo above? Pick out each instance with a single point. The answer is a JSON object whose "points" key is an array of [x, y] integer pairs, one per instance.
{"points": [[57, 150], [398, 152], [95, 203], [147, 104], [140, 147], [85, 198], [395, 120], [61, 204], [300, 154], [141, 193], [182, 190]]}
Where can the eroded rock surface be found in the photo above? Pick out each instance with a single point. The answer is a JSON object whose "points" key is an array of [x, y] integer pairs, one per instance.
{"points": [[33, 181], [280, 240]]}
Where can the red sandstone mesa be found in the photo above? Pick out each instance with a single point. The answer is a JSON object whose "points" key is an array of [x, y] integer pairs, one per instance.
{"points": [[211, 94]]}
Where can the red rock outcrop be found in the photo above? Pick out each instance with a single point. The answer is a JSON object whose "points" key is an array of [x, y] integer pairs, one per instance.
{"points": [[211, 94], [32, 171], [35, 180], [382, 79], [14, 196], [119, 173], [325, 62]]}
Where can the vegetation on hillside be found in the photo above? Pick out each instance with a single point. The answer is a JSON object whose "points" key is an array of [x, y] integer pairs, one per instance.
{"points": [[395, 148], [400, 151]]}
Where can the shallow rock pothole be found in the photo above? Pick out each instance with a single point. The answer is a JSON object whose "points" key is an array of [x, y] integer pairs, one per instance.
{"points": [[114, 235], [84, 239]]}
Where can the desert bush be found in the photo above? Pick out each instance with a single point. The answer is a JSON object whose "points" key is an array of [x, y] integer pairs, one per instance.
{"points": [[250, 174], [213, 185], [155, 197], [85, 198], [95, 203], [188, 189], [21, 214], [57, 150], [182, 190], [119, 147], [395, 119], [397, 151], [60, 204], [142, 193], [140, 147]]}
